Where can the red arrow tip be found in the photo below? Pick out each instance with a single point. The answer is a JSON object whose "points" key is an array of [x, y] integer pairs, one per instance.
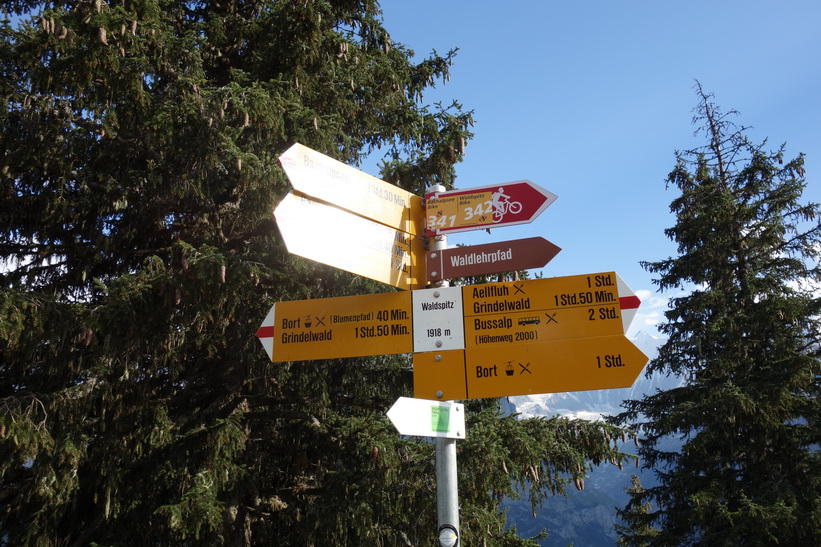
{"points": [[265, 332], [629, 302], [286, 160]]}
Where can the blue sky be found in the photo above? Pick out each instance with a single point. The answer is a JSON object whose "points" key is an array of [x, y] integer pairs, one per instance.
{"points": [[591, 99]]}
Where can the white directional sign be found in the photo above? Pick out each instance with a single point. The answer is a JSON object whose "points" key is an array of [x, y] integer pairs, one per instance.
{"points": [[349, 242], [423, 418], [329, 180]]}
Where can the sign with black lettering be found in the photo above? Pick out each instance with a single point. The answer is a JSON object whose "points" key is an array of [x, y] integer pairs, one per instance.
{"points": [[554, 366], [437, 319], [553, 308], [346, 326]]}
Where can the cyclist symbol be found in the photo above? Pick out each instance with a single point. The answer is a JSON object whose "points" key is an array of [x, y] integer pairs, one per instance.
{"points": [[502, 205]]}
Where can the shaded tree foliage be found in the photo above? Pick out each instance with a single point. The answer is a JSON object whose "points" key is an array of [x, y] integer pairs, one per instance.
{"points": [[746, 340], [138, 166]]}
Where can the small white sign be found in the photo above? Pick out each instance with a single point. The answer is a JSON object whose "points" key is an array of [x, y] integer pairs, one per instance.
{"points": [[424, 418], [438, 320]]}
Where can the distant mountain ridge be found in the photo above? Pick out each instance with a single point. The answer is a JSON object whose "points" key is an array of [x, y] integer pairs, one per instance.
{"points": [[586, 518]]}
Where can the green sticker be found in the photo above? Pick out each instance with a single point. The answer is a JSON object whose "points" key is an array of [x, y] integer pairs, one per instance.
{"points": [[440, 418]]}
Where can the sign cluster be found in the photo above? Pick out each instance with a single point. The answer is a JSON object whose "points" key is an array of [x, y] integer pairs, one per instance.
{"points": [[493, 340]]}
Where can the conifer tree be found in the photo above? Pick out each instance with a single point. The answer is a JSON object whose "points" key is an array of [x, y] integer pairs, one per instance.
{"points": [[138, 151], [745, 340]]}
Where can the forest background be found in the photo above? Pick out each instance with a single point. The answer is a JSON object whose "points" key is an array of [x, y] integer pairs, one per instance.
{"points": [[139, 144]]}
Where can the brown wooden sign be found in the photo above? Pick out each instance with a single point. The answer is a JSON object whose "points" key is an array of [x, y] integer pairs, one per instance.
{"points": [[490, 258]]}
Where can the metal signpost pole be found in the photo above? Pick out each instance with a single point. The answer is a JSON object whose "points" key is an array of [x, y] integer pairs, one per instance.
{"points": [[447, 495]]}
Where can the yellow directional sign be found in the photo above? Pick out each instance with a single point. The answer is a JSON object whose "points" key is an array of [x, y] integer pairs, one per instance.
{"points": [[330, 235], [576, 364], [329, 180], [540, 310], [521, 337], [346, 326]]}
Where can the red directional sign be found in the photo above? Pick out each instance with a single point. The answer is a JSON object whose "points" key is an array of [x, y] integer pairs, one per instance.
{"points": [[503, 256], [503, 204]]}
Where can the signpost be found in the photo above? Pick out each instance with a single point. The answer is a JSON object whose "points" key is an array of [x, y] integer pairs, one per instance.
{"points": [[349, 242], [345, 326], [329, 180], [493, 340], [425, 418], [504, 204], [490, 258]]}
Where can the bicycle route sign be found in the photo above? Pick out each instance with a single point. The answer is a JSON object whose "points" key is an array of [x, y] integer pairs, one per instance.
{"points": [[503, 204]]}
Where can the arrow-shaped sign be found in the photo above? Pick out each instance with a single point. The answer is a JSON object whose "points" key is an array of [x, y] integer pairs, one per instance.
{"points": [[490, 258], [503, 204], [555, 366], [349, 242], [332, 181], [551, 308], [344, 326], [425, 418]]}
